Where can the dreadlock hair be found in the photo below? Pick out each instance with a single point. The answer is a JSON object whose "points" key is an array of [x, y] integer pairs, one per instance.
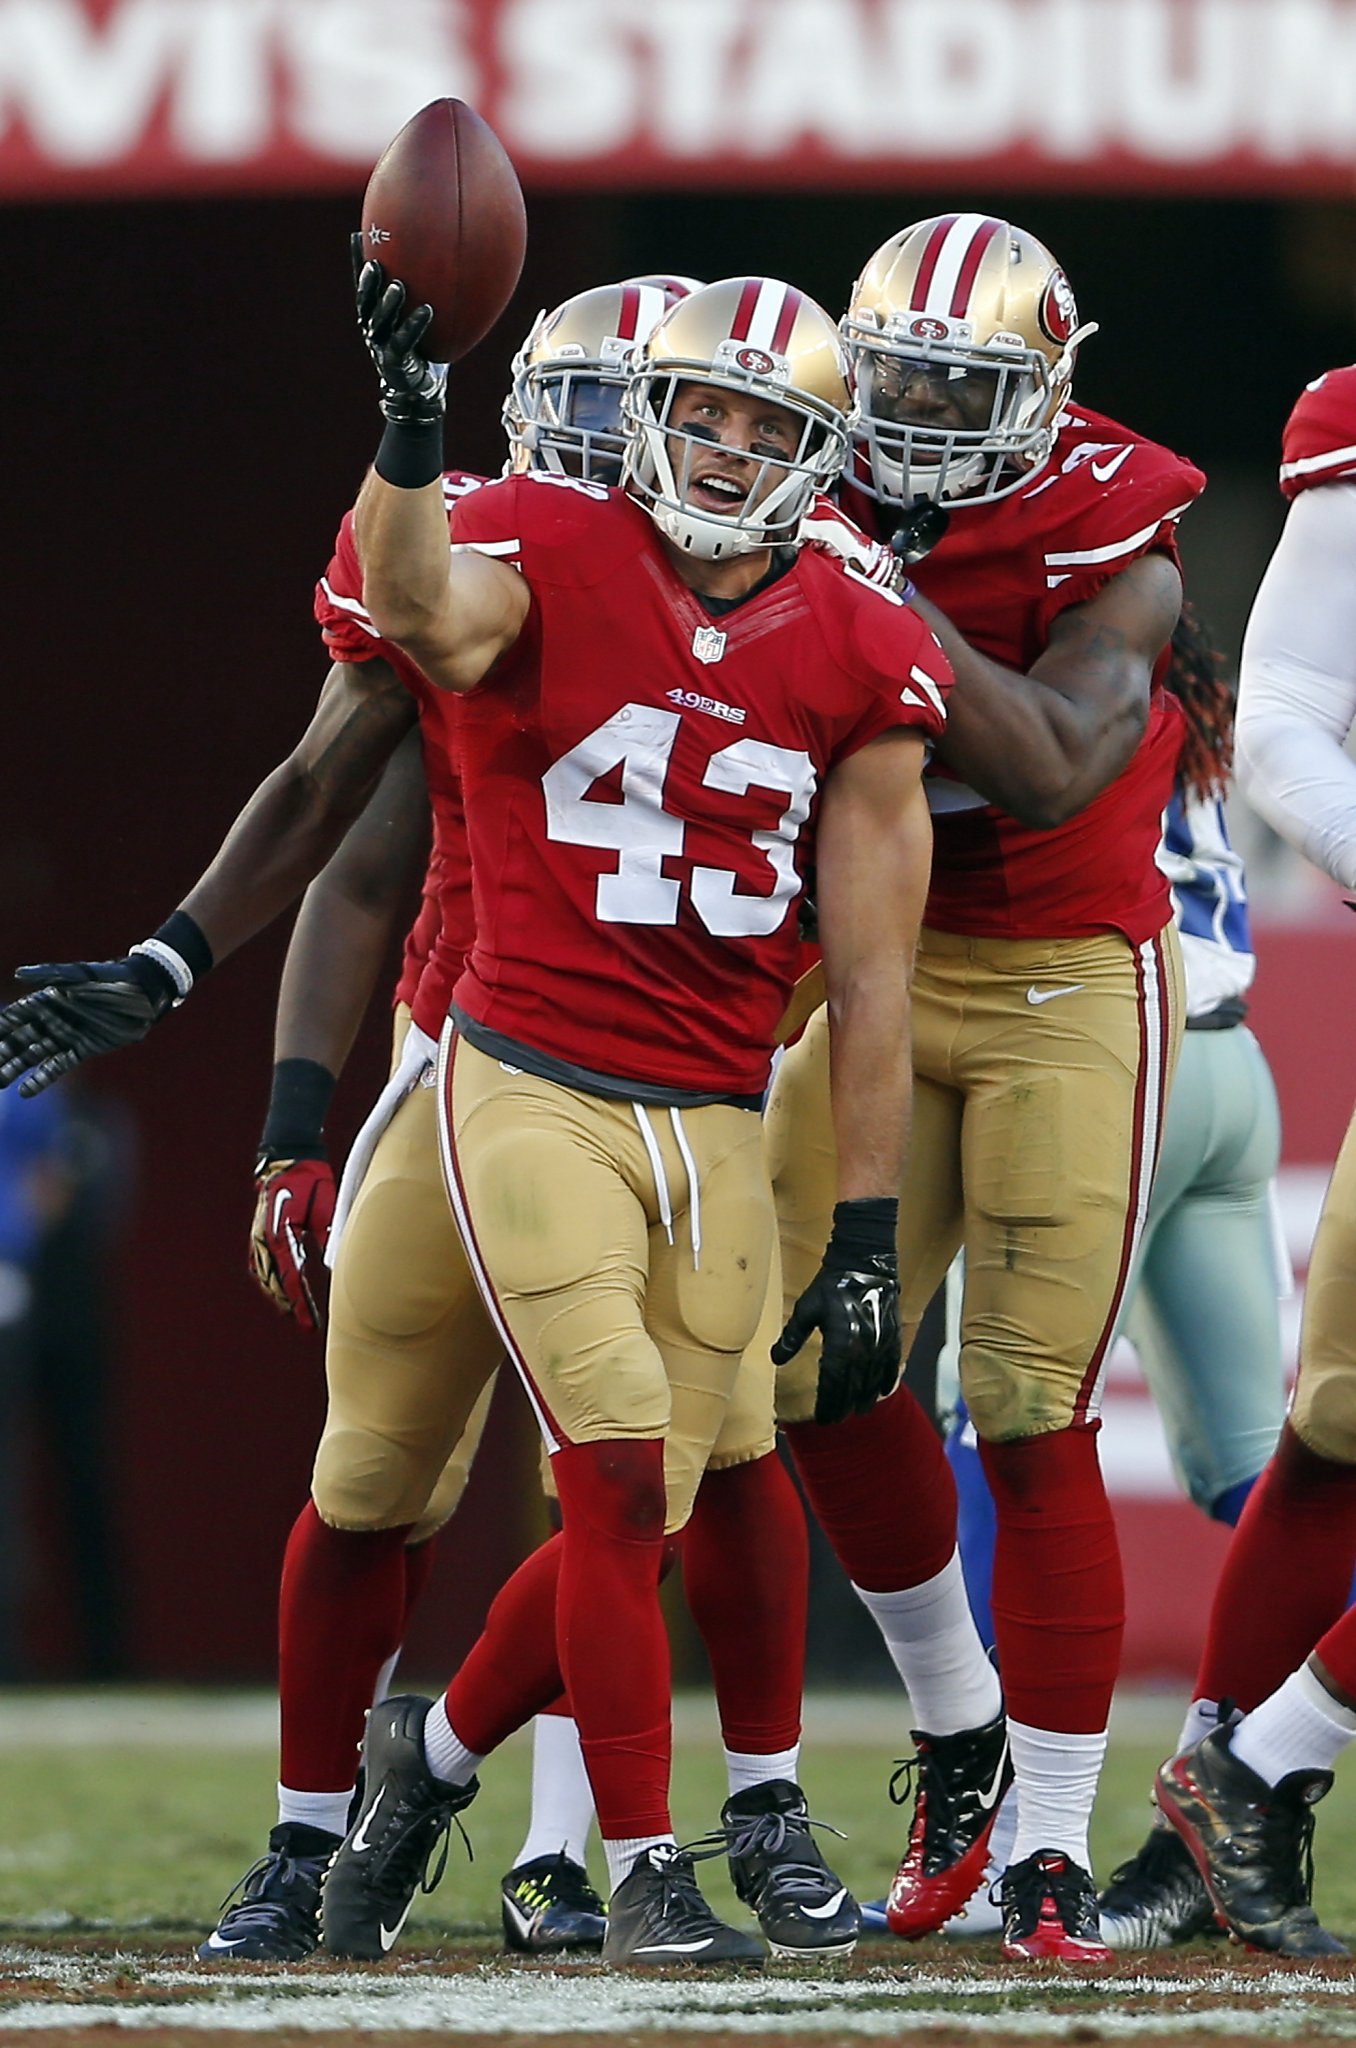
{"points": [[1197, 679]]}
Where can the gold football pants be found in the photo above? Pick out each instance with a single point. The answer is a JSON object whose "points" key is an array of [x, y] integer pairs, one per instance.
{"points": [[1040, 1073], [1324, 1409], [623, 1252], [410, 1353]]}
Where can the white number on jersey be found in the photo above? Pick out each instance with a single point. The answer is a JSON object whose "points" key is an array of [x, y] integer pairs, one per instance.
{"points": [[639, 739]]}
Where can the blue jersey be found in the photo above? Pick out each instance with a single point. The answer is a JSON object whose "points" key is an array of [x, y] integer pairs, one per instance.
{"points": [[1209, 902]]}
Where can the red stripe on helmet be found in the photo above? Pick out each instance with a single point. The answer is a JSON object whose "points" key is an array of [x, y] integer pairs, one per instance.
{"points": [[748, 299], [969, 269], [928, 266], [786, 320], [629, 314]]}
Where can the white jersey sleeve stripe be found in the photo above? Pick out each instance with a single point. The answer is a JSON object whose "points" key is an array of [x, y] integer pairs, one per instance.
{"points": [[361, 616], [1309, 464], [1113, 549]]}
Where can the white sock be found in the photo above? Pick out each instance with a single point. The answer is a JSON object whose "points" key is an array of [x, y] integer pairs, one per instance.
{"points": [[1004, 1833], [1202, 1718], [444, 1751], [327, 1810], [621, 1855], [932, 1639], [1300, 1728], [562, 1797], [1056, 1784], [382, 1689], [745, 1770]]}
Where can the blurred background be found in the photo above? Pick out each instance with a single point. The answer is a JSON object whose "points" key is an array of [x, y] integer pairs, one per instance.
{"points": [[187, 413]]}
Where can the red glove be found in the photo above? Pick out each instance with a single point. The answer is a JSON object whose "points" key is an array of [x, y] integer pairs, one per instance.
{"points": [[292, 1219]]}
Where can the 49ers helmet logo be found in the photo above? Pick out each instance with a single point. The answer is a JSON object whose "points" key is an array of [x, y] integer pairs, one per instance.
{"points": [[928, 330], [1057, 311], [755, 362]]}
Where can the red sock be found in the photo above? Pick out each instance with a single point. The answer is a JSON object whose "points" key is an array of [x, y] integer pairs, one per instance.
{"points": [[882, 1492], [614, 1649], [341, 1610], [746, 1568], [1058, 1597], [418, 1565], [512, 1670], [1287, 1574]]}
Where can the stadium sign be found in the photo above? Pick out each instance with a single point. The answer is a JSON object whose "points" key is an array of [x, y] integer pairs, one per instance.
{"points": [[109, 96]]}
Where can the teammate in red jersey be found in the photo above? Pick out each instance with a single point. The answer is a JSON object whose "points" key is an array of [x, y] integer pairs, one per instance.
{"points": [[1046, 1016], [663, 698], [1285, 1587]]}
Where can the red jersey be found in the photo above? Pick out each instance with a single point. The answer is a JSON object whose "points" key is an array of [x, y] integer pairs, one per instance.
{"points": [[1002, 574], [1319, 443], [642, 781], [446, 901]]}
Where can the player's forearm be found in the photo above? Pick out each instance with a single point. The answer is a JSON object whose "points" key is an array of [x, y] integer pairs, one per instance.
{"points": [[1302, 783], [334, 962], [401, 537], [280, 841], [871, 1081], [1041, 754]]}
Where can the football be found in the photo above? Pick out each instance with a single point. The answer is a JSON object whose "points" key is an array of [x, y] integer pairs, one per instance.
{"points": [[443, 212]]}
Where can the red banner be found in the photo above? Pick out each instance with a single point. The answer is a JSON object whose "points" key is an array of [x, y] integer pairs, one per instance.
{"points": [[117, 96]]}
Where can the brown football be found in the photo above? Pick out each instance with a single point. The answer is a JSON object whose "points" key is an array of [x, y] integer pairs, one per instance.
{"points": [[443, 211]]}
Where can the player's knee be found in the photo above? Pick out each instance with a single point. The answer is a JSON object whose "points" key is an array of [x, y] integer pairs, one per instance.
{"points": [[1324, 1417], [616, 1488], [362, 1481], [1007, 1400], [443, 1501]]}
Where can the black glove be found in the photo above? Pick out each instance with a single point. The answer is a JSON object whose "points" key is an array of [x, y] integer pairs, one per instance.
{"points": [[853, 1301], [84, 1007], [413, 390]]}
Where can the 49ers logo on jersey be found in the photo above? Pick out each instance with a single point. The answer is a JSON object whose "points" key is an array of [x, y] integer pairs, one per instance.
{"points": [[1057, 312], [755, 362]]}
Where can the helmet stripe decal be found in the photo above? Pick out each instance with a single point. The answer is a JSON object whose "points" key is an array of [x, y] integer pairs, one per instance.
{"points": [[969, 269], [748, 299], [923, 282], [781, 334], [629, 314]]}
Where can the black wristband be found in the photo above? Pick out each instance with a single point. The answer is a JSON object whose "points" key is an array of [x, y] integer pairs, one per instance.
{"points": [[295, 1124], [189, 942], [410, 456], [864, 1228]]}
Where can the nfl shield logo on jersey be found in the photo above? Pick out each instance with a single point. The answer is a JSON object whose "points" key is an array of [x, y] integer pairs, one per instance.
{"points": [[708, 644]]}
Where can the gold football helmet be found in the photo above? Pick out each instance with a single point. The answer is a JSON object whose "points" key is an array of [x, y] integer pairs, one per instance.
{"points": [[563, 411], [962, 332], [750, 335]]}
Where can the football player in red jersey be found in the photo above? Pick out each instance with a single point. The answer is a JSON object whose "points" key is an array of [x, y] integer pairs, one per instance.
{"points": [[648, 690], [1047, 1009], [1287, 1578]]}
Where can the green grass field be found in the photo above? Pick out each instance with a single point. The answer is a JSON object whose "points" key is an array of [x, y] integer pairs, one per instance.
{"points": [[139, 1811]]}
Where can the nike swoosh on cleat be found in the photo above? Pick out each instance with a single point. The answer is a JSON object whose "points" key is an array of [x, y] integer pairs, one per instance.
{"points": [[217, 1941], [1047, 995], [524, 1924], [391, 1935], [826, 1912], [674, 1948], [988, 1798], [360, 1843]]}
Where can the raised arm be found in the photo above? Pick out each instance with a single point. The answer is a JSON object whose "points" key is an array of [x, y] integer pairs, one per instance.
{"points": [[1042, 745], [873, 856], [454, 614]]}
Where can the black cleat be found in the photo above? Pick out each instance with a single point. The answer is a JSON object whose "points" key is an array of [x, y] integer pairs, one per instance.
{"points": [[548, 1906], [1251, 1842], [658, 1917], [1049, 1908], [382, 1863], [276, 1917], [776, 1867], [1158, 1898], [961, 1783]]}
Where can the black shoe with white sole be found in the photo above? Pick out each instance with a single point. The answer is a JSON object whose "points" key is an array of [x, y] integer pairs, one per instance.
{"points": [[658, 1917], [276, 1916], [777, 1868], [1158, 1898], [383, 1861]]}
